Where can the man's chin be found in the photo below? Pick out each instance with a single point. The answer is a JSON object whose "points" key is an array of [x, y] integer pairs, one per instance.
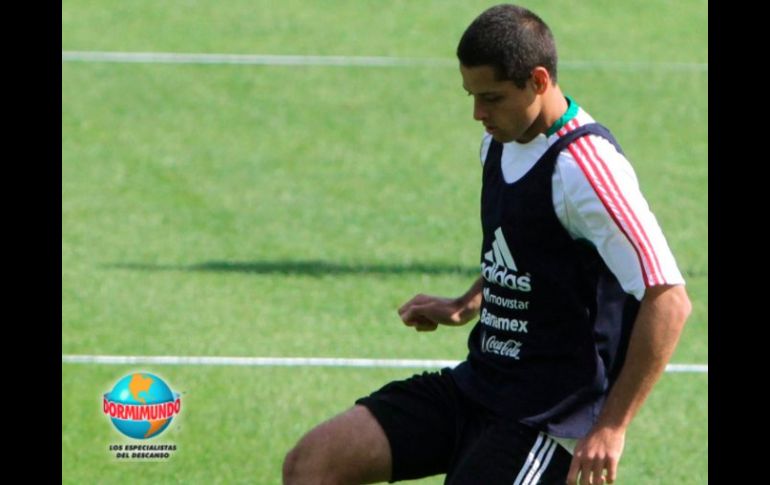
{"points": [[501, 138]]}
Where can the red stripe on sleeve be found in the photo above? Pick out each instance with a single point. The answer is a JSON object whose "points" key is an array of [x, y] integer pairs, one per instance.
{"points": [[611, 203], [654, 262]]}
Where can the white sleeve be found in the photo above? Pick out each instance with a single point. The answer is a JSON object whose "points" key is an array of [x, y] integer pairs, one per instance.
{"points": [[602, 203], [486, 140]]}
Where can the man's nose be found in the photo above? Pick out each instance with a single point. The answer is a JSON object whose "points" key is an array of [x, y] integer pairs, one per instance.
{"points": [[478, 113]]}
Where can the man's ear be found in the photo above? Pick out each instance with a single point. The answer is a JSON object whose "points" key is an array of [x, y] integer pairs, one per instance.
{"points": [[540, 79]]}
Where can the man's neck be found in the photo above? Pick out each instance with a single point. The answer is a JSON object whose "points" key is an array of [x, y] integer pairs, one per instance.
{"points": [[553, 106]]}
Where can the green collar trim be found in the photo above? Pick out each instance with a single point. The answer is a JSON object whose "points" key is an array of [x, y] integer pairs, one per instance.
{"points": [[572, 109]]}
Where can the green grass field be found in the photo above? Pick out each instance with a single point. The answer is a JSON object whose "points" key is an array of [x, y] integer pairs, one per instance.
{"points": [[287, 211]]}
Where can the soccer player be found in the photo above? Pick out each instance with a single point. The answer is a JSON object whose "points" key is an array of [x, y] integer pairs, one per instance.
{"points": [[580, 301]]}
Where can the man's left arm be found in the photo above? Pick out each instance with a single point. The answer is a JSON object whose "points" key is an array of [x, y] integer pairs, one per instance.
{"points": [[659, 323]]}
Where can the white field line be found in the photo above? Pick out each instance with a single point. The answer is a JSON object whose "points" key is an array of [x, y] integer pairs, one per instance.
{"points": [[293, 362], [344, 61], [259, 59]]}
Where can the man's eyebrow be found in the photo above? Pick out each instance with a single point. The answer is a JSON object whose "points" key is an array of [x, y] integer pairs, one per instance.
{"points": [[484, 93]]}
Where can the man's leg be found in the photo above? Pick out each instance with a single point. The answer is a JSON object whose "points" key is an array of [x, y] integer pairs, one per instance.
{"points": [[350, 448], [507, 453], [405, 430]]}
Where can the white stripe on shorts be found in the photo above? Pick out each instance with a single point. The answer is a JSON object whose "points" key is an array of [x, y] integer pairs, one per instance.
{"points": [[545, 463], [543, 445], [539, 465]]}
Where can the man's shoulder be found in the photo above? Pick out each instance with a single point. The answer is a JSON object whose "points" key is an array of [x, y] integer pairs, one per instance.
{"points": [[591, 157], [590, 149], [486, 140]]}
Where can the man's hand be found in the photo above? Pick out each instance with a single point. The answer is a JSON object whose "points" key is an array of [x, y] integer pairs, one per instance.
{"points": [[600, 450], [425, 312]]}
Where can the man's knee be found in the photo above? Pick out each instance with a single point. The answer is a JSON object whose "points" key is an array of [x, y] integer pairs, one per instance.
{"points": [[290, 466], [307, 462]]}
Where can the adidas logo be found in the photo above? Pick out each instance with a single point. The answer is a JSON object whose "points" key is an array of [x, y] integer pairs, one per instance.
{"points": [[499, 267]]}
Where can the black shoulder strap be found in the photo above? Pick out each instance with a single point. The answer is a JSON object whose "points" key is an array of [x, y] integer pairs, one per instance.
{"points": [[587, 129]]}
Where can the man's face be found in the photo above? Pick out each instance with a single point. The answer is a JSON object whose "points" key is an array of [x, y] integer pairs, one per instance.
{"points": [[507, 112]]}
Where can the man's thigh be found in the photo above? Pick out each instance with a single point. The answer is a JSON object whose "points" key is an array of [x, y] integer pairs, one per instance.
{"points": [[510, 454], [422, 417]]}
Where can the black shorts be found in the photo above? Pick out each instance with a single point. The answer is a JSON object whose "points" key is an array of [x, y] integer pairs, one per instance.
{"points": [[433, 428]]}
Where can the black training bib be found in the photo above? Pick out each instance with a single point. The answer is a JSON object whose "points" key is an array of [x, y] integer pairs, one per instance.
{"points": [[554, 321]]}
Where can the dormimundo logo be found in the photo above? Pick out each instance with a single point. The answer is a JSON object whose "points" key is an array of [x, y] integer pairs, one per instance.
{"points": [[141, 405]]}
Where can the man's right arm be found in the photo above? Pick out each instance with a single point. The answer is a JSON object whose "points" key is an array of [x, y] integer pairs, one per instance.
{"points": [[425, 312]]}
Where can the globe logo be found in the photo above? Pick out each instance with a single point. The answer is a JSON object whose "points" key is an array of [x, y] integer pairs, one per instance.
{"points": [[141, 405]]}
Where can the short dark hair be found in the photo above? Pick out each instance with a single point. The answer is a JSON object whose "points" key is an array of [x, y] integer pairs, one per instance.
{"points": [[512, 40]]}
